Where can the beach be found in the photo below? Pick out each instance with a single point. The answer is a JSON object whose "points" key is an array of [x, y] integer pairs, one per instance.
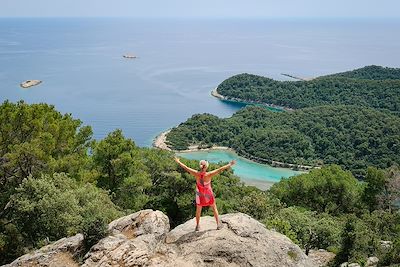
{"points": [[160, 142]]}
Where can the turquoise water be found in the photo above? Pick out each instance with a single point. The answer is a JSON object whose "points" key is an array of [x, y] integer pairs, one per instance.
{"points": [[260, 175]]}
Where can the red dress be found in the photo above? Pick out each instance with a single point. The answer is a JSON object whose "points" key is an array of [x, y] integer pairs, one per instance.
{"points": [[204, 193]]}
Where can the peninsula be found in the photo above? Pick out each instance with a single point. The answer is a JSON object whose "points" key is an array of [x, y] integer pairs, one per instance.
{"points": [[371, 86]]}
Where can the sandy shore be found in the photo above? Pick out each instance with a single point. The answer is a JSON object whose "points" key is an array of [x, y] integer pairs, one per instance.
{"points": [[216, 94], [160, 141]]}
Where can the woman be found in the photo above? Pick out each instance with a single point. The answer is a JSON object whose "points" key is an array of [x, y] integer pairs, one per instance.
{"points": [[204, 193]]}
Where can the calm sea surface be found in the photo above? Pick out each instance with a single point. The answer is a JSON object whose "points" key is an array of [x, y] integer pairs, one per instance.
{"points": [[179, 62]]}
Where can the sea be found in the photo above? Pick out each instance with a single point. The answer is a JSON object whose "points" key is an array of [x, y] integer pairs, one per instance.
{"points": [[179, 62]]}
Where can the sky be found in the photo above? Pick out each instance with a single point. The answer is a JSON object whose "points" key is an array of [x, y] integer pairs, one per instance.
{"points": [[201, 8]]}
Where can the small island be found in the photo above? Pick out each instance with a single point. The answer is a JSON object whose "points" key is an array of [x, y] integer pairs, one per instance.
{"points": [[30, 83], [129, 56]]}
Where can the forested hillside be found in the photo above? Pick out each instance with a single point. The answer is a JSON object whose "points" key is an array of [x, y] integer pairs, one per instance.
{"points": [[350, 136], [372, 72], [373, 86]]}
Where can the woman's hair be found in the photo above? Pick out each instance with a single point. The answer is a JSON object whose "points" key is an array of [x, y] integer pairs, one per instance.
{"points": [[203, 163]]}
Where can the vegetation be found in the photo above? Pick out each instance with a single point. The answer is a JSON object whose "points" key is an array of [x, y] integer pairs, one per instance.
{"points": [[349, 136], [323, 215], [372, 86], [370, 73], [57, 181], [329, 190]]}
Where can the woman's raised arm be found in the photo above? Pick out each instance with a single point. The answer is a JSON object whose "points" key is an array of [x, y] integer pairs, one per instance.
{"points": [[188, 169], [215, 172]]}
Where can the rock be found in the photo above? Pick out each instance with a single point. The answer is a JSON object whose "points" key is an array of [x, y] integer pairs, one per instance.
{"points": [[321, 257], [30, 83], [59, 254], [141, 222], [133, 240], [63, 252], [243, 241], [372, 262], [386, 245], [344, 264], [354, 265], [142, 239]]}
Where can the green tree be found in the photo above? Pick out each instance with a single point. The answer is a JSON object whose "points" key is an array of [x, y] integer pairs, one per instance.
{"points": [[358, 242], [52, 207], [36, 139], [114, 156], [329, 189], [375, 180], [307, 228]]}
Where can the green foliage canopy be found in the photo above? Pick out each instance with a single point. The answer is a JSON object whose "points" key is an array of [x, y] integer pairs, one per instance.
{"points": [[372, 86]]}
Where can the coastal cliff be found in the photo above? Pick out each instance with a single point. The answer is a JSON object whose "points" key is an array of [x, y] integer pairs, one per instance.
{"points": [[143, 239]]}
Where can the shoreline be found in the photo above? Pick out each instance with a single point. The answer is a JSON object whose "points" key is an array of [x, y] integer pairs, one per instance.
{"points": [[215, 94], [160, 143]]}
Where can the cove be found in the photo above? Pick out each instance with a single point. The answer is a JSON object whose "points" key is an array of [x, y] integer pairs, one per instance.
{"points": [[252, 173]]}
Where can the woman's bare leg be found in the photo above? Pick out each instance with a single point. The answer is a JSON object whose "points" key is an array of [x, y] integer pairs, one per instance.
{"points": [[198, 214], [215, 210]]}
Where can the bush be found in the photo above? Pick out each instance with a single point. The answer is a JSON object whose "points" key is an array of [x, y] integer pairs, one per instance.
{"points": [[330, 189], [94, 229]]}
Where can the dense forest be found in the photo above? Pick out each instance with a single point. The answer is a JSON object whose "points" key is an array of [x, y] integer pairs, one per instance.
{"points": [[56, 180], [350, 136], [371, 86], [372, 72]]}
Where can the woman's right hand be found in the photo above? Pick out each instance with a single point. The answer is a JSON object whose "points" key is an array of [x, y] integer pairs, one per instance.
{"points": [[177, 160], [233, 162]]}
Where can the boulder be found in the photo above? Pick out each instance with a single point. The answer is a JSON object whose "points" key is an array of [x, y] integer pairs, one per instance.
{"points": [[321, 257], [372, 262], [132, 241], [140, 223]]}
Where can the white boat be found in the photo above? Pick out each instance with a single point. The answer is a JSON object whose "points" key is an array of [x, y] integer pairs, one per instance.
{"points": [[30, 83]]}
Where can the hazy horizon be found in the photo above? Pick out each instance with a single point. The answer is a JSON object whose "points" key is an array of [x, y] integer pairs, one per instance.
{"points": [[204, 9]]}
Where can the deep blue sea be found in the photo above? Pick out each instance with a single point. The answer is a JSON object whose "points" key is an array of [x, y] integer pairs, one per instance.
{"points": [[179, 62]]}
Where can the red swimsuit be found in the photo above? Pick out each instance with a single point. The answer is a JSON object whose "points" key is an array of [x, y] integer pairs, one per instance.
{"points": [[204, 193]]}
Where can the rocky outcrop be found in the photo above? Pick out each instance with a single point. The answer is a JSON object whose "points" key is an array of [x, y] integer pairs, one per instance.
{"points": [[61, 253], [133, 242], [144, 239], [242, 241]]}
